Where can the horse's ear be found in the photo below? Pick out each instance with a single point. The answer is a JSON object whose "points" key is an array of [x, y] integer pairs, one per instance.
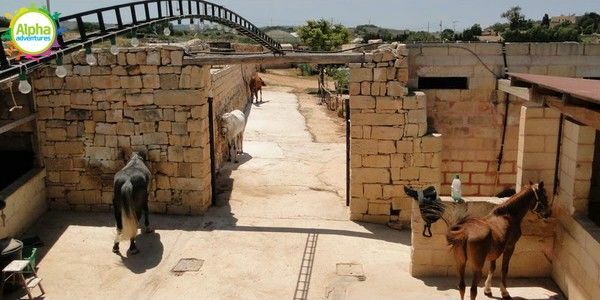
{"points": [[541, 184], [530, 182]]}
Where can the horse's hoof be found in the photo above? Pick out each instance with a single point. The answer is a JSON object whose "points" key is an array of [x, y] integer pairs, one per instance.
{"points": [[148, 230], [133, 251], [506, 298], [488, 294]]}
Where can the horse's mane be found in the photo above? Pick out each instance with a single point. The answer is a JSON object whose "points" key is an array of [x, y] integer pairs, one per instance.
{"points": [[513, 203]]}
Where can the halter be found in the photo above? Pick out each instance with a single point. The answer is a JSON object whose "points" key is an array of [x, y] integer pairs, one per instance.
{"points": [[537, 201]]}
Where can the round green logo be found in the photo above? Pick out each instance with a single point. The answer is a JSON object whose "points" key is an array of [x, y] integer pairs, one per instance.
{"points": [[33, 31]]}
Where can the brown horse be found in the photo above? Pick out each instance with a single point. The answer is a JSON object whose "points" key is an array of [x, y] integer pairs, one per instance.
{"points": [[256, 84], [478, 240]]}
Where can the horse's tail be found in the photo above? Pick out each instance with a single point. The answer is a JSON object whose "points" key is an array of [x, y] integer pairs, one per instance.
{"points": [[128, 217], [456, 234]]}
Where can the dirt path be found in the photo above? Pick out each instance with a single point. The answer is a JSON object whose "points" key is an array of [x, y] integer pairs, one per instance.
{"points": [[323, 124]]}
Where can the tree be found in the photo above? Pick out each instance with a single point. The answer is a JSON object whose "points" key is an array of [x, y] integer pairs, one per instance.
{"points": [[447, 35], [589, 23], [321, 35], [546, 21], [419, 36], [476, 30], [515, 18], [500, 27]]}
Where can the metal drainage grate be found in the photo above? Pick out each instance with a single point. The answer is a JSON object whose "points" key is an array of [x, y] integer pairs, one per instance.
{"points": [[187, 265]]}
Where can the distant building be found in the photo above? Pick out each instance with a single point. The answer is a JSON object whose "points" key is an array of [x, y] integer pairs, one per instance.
{"points": [[557, 20], [489, 32], [377, 41]]}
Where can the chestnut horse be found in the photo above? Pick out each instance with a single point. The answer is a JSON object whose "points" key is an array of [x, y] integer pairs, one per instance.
{"points": [[478, 240], [256, 84]]}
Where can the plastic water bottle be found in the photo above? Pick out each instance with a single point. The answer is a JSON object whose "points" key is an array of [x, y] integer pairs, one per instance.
{"points": [[456, 192]]}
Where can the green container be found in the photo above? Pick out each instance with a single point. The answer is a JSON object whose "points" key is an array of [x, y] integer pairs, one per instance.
{"points": [[30, 253]]}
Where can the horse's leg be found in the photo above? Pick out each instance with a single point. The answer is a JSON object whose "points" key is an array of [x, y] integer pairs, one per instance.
{"points": [[133, 250], [477, 274], [488, 282], [147, 228], [235, 149], [261, 95], [508, 252], [478, 251], [119, 221], [242, 142], [229, 150], [461, 262], [240, 138]]}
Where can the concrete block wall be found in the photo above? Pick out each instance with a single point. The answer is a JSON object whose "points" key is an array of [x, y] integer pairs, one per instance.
{"points": [[390, 147], [231, 91], [25, 202], [142, 99], [469, 119], [538, 142], [432, 256], [576, 265]]}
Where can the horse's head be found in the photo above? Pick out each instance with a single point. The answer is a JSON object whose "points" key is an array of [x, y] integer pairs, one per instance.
{"points": [[138, 155], [540, 207], [225, 124], [132, 154]]}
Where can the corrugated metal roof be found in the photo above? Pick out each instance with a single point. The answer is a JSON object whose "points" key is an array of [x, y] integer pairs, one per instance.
{"points": [[584, 89]]}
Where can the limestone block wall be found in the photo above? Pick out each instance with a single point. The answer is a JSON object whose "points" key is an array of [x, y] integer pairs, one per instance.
{"points": [[469, 119], [390, 146], [25, 202], [432, 256], [231, 91], [142, 99], [538, 142], [576, 267]]}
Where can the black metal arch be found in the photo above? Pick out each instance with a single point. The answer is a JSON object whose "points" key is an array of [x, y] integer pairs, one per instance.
{"points": [[154, 12]]}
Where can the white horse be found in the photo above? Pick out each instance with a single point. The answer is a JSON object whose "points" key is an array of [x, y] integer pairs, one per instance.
{"points": [[232, 128]]}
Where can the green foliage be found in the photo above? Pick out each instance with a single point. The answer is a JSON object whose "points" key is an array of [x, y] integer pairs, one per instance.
{"points": [[4, 22], [418, 36], [381, 33], [89, 26], [541, 34], [307, 70], [500, 27], [340, 76], [476, 29], [447, 35], [589, 23], [515, 18], [288, 29], [321, 35], [469, 34]]}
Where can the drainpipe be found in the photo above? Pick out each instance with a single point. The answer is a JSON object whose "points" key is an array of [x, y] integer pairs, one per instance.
{"points": [[213, 163], [500, 158]]}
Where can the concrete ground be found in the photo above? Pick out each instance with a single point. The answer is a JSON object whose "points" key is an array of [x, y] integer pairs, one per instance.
{"points": [[280, 231]]}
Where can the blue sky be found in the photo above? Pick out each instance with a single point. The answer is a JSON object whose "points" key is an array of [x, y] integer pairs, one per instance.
{"points": [[399, 14]]}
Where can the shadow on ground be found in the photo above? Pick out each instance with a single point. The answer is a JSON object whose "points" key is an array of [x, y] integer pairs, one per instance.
{"points": [[151, 253], [451, 283]]}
